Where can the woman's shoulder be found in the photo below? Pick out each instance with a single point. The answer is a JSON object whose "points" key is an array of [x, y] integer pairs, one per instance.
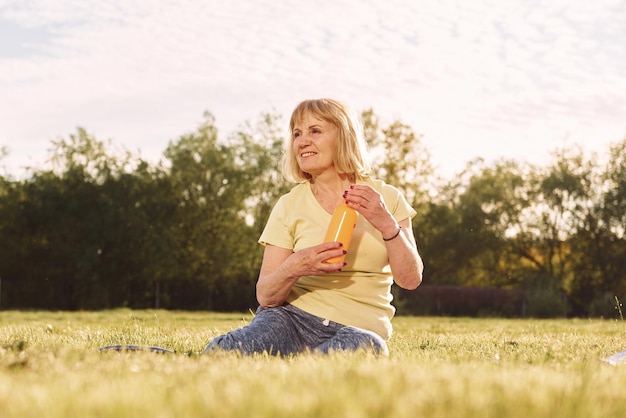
{"points": [[296, 192], [380, 186], [299, 189], [393, 197]]}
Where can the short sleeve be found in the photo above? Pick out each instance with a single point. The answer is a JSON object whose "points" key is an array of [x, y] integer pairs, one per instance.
{"points": [[397, 203], [277, 230]]}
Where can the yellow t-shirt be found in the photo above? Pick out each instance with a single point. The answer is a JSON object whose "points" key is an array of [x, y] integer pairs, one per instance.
{"points": [[359, 295]]}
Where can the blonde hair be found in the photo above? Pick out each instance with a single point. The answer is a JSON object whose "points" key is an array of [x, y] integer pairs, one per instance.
{"points": [[350, 155]]}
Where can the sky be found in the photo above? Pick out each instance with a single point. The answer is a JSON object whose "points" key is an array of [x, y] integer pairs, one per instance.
{"points": [[514, 79]]}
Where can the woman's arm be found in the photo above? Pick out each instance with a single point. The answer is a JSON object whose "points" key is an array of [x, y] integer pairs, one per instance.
{"points": [[281, 268], [404, 259]]}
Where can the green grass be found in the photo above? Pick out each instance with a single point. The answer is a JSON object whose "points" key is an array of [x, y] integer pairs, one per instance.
{"points": [[50, 366]]}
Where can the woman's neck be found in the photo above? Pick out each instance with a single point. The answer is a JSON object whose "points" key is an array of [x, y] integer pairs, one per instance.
{"points": [[332, 184], [329, 191]]}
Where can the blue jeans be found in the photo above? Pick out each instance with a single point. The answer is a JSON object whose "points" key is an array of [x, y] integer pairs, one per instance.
{"points": [[285, 330]]}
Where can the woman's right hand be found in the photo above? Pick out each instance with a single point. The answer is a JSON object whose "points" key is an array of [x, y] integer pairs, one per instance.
{"points": [[281, 269], [312, 261]]}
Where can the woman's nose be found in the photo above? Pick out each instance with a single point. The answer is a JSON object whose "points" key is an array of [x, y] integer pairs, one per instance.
{"points": [[303, 140]]}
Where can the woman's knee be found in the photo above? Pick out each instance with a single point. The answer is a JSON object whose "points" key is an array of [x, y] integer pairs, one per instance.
{"points": [[374, 342], [353, 339], [265, 333]]}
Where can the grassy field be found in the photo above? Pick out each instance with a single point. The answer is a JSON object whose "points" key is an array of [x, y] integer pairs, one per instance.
{"points": [[50, 366]]}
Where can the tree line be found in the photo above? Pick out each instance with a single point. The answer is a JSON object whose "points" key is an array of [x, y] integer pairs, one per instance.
{"points": [[98, 229]]}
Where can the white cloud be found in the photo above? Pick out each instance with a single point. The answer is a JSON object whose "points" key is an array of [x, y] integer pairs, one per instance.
{"points": [[485, 78]]}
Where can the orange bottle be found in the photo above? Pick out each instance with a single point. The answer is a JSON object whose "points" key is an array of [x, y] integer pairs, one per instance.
{"points": [[340, 229]]}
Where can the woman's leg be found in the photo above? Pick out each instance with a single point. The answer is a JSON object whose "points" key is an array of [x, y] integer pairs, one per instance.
{"points": [[272, 330], [285, 330], [352, 339]]}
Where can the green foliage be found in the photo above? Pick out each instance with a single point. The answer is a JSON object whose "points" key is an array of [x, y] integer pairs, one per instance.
{"points": [[209, 185], [102, 229], [546, 302], [507, 225], [400, 158], [98, 231], [441, 239]]}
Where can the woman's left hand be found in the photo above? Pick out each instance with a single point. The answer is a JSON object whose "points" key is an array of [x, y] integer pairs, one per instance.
{"points": [[406, 263], [370, 204]]}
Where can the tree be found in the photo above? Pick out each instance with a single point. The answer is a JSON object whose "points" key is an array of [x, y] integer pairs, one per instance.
{"points": [[599, 243], [400, 158], [487, 202], [100, 229], [566, 200], [260, 148], [211, 182], [614, 219], [57, 225]]}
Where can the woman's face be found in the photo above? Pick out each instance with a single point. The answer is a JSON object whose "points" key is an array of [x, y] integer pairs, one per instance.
{"points": [[314, 144]]}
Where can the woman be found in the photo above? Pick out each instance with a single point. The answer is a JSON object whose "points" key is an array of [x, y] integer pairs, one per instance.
{"points": [[305, 303]]}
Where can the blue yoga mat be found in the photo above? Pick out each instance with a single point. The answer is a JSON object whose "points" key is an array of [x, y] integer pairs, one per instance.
{"points": [[124, 347], [616, 358]]}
